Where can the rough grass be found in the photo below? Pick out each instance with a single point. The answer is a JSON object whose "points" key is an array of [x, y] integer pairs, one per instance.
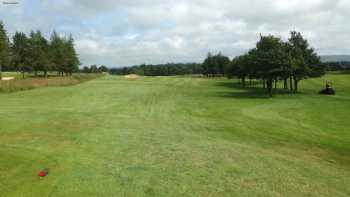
{"points": [[170, 136], [30, 82]]}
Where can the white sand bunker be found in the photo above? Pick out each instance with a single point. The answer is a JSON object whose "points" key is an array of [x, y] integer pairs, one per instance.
{"points": [[7, 78], [131, 76]]}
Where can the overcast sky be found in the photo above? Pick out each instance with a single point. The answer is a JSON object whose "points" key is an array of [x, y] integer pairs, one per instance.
{"points": [[120, 33]]}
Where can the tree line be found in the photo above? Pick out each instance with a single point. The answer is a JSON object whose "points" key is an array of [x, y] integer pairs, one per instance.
{"points": [[338, 66], [169, 69], [94, 69], [34, 53]]}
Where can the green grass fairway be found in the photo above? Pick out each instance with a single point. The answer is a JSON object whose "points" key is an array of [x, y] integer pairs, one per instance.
{"points": [[173, 136]]}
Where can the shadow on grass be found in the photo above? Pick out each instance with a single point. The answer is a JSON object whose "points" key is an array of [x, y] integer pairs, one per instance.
{"points": [[255, 91]]}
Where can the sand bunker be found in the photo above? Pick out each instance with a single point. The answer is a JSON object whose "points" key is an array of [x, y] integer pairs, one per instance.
{"points": [[7, 78], [132, 76]]}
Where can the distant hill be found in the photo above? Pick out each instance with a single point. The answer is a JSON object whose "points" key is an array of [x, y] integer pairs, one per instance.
{"points": [[335, 58]]}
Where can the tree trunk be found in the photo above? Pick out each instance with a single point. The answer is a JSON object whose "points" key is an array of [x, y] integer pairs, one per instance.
{"points": [[291, 84], [276, 84], [286, 84], [264, 84], [243, 82], [269, 86], [296, 82], [22, 74], [45, 73]]}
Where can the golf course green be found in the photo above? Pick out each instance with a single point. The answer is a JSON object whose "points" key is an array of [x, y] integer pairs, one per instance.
{"points": [[175, 136]]}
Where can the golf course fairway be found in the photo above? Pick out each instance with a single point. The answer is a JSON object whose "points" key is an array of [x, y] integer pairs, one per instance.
{"points": [[175, 136]]}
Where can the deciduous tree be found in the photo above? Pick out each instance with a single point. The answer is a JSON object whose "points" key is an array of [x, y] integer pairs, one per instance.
{"points": [[303, 58]]}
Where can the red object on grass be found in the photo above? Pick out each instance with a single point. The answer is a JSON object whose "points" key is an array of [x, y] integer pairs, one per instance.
{"points": [[43, 173]]}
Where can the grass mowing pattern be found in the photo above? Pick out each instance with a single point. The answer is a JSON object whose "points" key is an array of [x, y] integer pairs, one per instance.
{"points": [[170, 136]]}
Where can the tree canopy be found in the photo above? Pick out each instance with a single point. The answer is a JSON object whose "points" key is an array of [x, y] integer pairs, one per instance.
{"points": [[273, 60], [20, 49], [215, 65], [4, 48], [36, 53]]}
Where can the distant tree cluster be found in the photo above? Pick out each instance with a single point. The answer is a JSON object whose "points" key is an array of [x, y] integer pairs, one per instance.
{"points": [[337, 66], [169, 69], [94, 69], [273, 60], [34, 53], [215, 65]]}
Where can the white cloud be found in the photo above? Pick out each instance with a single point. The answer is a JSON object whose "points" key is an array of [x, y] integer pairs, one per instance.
{"points": [[123, 32]]}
